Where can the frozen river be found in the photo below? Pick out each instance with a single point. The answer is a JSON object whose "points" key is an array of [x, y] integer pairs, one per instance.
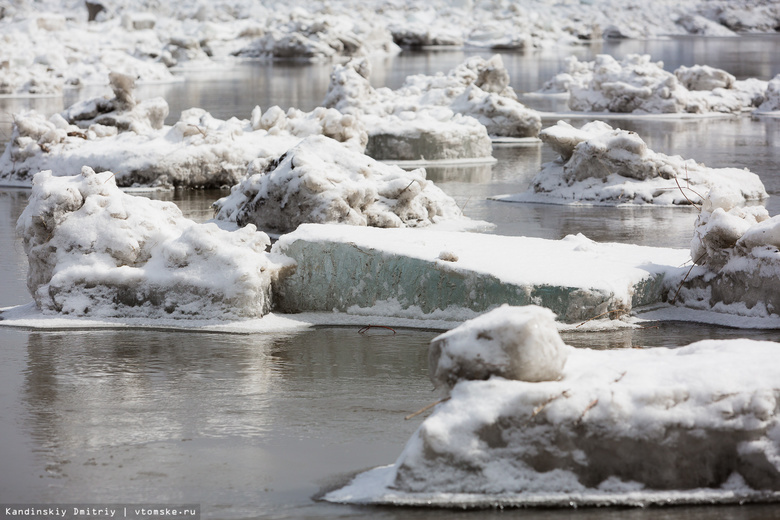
{"points": [[255, 426]]}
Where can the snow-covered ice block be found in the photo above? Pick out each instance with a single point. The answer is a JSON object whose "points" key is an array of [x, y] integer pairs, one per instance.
{"points": [[424, 271], [306, 34], [638, 85], [96, 251], [601, 165], [434, 117], [737, 252], [322, 181], [695, 424], [771, 103], [128, 137], [520, 343]]}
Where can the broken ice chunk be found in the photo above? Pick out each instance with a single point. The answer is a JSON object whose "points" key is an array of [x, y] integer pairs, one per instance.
{"points": [[520, 343]]}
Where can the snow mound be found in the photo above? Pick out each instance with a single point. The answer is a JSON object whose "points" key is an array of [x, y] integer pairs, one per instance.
{"points": [[520, 343], [128, 137], [637, 426], [737, 255], [771, 96], [602, 165], [95, 251], [638, 85], [322, 181], [317, 36], [44, 53], [434, 117]]}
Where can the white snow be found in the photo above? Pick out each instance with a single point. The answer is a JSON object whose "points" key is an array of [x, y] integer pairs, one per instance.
{"points": [[95, 251], [695, 424], [321, 181], [434, 117], [600, 165], [638, 85], [128, 137], [737, 255], [396, 271], [50, 45], [520, 343]]}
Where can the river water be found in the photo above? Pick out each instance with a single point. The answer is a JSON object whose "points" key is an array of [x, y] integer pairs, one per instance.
{"points": [[257, 425]]}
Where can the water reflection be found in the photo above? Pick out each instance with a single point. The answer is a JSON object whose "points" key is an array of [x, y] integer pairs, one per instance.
{"points": [[13, 260]]}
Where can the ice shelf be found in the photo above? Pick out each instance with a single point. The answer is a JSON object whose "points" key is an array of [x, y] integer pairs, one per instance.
{"points": [[381, 271]]}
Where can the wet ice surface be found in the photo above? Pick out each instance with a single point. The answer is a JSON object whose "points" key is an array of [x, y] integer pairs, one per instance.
{"points": [[272, 419]]}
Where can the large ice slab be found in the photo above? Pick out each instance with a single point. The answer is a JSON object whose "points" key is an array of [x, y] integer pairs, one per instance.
{"points": [[601, 165], [95, 251], [127, 136], [395, 271], [698, 423]]}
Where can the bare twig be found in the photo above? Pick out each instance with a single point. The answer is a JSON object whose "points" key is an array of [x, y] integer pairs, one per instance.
{"points": [[541, 407], [199, 129], [368, 327], [677, 293], [425, 408], [586, 410]]}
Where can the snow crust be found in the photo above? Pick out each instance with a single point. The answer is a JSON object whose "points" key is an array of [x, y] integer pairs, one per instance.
{"points": [[601, 165], [128, 137], [640, 86], [434, 117], [95, 251], [399, 272], [637, 426], [518, 343], [737, 255], [321, 181]]}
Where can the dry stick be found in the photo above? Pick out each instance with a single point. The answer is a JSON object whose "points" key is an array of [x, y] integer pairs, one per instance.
{"points": [[599, 316], [426, 408], [367, 327], [586, 410], [464, 204], [407, 186], [677, 293], [539, 408], [199, 129]]}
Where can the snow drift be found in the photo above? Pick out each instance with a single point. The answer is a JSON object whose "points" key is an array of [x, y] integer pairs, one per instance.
{"points": [[638, 85], [322, 181], [605, 166], [737, 255], [95, 251], [128, 137], [434, 117], [637, 426]]}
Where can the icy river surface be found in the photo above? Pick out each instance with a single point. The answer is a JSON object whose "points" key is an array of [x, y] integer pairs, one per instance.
{"points": [[257, 425]]}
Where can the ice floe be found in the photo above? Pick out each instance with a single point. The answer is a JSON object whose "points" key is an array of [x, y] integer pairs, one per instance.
{"points": [[320, 181], [695, 424], [65, 44], [425, 272], [128, 137], [95, 251], [638, 85], [737, 255], [434, 117], [601, 165]]}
